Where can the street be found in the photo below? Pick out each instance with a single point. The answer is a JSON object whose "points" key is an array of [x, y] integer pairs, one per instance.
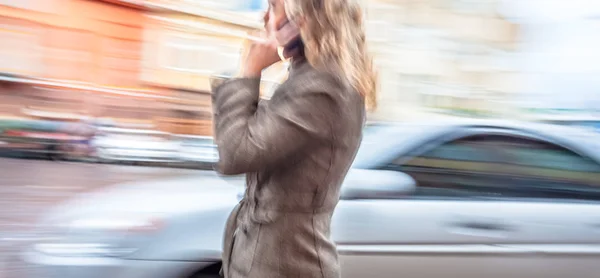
{"points": [[28, 187]]}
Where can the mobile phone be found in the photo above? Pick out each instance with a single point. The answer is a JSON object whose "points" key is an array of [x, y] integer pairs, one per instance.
{"points": [[288, 35]]}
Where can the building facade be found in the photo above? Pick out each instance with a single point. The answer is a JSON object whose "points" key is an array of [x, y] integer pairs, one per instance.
{"points": [[442, 55], [149, 63], [65, 56], [186, 42]]}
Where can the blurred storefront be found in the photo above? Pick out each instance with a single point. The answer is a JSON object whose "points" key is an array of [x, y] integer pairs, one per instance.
{"points": [[148, 62], [140, 63], [62, 58], [185, 43], [72, 40]]}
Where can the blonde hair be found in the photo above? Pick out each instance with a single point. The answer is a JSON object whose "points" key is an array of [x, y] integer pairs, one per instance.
{"points": [[334, 40]]}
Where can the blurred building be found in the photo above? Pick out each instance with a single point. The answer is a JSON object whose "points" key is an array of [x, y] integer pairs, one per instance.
{"points": [[147, 62], [182, 49], [188, 41], [141, 63], [442, 56], [67, 59], [449, 56]]}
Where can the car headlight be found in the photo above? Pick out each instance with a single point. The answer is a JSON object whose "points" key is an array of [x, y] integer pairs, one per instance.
{"points": [[115, 236]]}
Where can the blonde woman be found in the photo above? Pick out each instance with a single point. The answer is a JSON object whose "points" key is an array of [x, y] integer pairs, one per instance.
{"points": [[297, 147]]}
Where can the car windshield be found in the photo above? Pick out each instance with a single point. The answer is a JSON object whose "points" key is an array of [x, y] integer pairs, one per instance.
{"points": [[372, 136], [381, 140]]}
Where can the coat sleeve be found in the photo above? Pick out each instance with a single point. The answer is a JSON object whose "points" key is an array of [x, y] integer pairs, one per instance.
{"points": [[252, 137]]}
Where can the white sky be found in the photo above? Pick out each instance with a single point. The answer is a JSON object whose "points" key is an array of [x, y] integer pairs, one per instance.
{"points": [[550, 10], [560, 53]]}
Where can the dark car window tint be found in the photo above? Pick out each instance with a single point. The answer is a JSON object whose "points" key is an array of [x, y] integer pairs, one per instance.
{"points": [[502, 166], [552, 158]]}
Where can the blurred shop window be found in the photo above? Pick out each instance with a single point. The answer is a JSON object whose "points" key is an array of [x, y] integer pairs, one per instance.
{"points": [[228, 56], [187, 58], [202, 56]]}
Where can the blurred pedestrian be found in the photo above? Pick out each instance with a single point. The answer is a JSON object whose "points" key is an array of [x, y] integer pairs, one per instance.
{"points": [[297, 147]]}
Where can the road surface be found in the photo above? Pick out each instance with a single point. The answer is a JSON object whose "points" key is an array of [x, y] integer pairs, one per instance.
{"points": [[28, 187]]}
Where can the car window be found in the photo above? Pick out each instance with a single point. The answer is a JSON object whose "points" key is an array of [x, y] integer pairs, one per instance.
{"points": [[378, 139], [502, 167]]}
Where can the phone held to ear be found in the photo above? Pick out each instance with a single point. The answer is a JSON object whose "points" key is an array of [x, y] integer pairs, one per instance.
{"points": [[288, 35]]}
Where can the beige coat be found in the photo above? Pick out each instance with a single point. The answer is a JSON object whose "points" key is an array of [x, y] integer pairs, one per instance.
{"points": [[295, 150]]}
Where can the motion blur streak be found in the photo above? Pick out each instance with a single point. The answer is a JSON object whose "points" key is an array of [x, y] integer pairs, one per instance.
{"points": [[482, 159]]}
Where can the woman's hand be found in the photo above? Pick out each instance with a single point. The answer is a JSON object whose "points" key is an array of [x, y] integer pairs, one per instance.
{"points": [[259, 55]]}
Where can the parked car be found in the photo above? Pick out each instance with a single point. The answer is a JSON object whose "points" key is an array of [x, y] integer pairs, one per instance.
{"points": [[48, 139], [464, 199], [197, 149], [134, 145], [48, 145]]}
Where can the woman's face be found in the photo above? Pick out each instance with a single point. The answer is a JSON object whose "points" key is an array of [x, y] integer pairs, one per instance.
{"points": [[277, 24]]}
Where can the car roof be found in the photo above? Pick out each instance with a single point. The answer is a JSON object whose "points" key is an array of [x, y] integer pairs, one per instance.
{"points": [[390, 140]]}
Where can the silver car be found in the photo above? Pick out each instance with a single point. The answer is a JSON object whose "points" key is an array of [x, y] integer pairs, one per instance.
{"points": [[135, 145], [446, 199], [200, 149]]}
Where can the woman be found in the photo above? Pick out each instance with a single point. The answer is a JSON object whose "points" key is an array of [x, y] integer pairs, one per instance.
{"points": [[296, 148]]}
